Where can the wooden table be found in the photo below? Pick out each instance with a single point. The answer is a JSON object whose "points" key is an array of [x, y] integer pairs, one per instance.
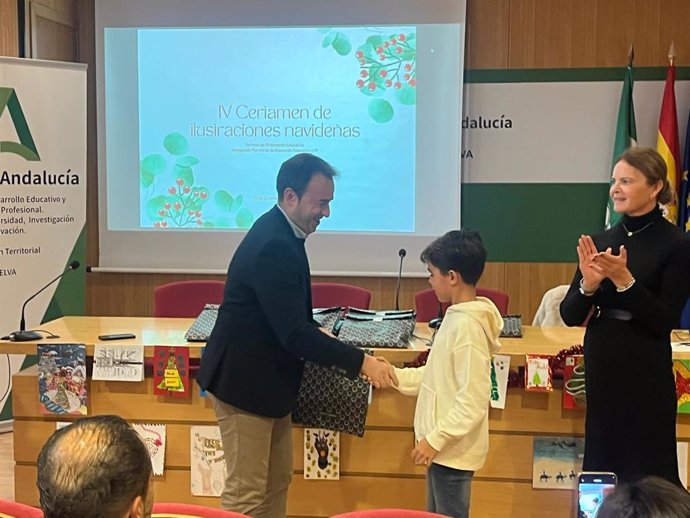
{"points": [[376, 470]]}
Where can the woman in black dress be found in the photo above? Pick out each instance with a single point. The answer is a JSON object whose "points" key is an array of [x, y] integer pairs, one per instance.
{"points": [[635, 279]]}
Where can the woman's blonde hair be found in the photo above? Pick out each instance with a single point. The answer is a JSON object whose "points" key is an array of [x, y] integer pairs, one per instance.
{"points": [[650, 163]]}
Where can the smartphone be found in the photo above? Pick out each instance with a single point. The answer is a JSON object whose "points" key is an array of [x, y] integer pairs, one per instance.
{"points": [[592, 488], [117, 336]]}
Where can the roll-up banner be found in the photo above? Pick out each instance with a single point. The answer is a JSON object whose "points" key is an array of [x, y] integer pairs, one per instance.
{"points": [[42, 198]]}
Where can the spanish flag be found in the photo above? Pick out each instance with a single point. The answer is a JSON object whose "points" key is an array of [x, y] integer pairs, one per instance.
{"points": [[667, 139]]}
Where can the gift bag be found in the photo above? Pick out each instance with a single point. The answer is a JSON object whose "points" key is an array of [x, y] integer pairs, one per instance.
{"points": [[203, 325], [329, 400], [382, 329], [326, 317]]}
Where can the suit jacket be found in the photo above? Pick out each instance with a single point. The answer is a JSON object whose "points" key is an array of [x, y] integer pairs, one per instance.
{"points": [[264, 332]]}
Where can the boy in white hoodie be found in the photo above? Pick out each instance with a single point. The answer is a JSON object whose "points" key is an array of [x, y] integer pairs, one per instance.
{"points": [[453, 389]]}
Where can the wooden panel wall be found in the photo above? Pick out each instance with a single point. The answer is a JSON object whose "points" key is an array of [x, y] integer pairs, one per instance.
{"points": [[575, 33], [9, 31], [500, 34]]}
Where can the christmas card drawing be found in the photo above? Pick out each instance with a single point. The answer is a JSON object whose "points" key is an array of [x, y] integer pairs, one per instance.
{"points": [[118, 362], [556, 462], [321, 454], [207, 461], [574, 393], [153, 436], [171, 371], [538, 376], [62, 379], [500, 367], [681, 374]]}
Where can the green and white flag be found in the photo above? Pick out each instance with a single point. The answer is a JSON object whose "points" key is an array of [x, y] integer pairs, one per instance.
{"points": [[626, 135]]}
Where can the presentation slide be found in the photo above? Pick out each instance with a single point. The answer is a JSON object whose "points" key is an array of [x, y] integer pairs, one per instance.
{"points": [[211, 126], [197, 119]]}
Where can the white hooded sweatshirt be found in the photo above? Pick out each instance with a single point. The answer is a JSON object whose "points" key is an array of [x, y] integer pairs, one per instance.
{"points": [[453, 389]]}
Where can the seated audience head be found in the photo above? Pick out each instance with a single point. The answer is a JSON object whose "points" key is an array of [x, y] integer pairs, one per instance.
{"points": [[651, 497], [95, 467], [458, 255]]}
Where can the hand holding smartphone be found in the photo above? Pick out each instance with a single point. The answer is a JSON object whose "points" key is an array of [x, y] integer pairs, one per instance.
{"points": [[592, 488]]}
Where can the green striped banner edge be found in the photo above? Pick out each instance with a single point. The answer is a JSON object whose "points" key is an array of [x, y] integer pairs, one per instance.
{"points": [[533, 222]]}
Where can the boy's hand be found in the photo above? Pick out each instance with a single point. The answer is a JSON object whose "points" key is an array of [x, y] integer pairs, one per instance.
{"points": [[378, 372], [423, 453]]}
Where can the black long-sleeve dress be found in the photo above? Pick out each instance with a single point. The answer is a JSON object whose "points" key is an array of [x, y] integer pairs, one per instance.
{"points": [[630, 424]]}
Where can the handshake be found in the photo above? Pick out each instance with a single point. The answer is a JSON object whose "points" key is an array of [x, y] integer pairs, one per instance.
{"points": [[377, 371]]}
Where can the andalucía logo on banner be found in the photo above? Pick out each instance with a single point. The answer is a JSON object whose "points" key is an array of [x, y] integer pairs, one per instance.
{"points": [[25, 147], [42, 192]]}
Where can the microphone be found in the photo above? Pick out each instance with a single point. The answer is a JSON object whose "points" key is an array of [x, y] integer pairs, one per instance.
{"points": [[402, 253], [27, 336]]}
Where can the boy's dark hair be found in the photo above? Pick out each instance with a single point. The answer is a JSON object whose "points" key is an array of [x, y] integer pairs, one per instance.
{"points": [[94, 468], [296, 172], [459, 250]]}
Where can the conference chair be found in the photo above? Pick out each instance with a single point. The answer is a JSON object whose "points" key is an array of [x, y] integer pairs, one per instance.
{"points": [[170, 510], [186, 298], [16, 510], [427, 304], [389, 513], [329, 294], [549, 314]]}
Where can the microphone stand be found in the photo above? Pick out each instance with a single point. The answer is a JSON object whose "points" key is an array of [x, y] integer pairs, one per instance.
{"points": [[402, 253], [29, 336]]}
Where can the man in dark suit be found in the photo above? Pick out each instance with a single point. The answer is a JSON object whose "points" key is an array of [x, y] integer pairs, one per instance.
{"points": [[253, 361]]}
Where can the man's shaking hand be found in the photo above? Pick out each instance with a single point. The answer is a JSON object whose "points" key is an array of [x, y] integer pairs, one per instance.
{"points": [[378, 372]]}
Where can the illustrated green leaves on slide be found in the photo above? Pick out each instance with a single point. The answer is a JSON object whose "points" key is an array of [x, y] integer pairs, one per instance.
{"points": [[338, 40], [233, 205], [173, 199], [380, 110], [387, 68]]}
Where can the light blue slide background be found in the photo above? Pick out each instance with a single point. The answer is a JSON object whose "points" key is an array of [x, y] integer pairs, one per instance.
{"points": [[185, 74]]}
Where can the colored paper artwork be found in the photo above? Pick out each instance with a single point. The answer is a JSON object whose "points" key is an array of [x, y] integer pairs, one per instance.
{"points": [[171, 371], [500, 367], [321, 454], [681, 374], [207, 461], [574, 393], [538, 375], [62, 379], [118, 362], [153, 436], [556, 462]]}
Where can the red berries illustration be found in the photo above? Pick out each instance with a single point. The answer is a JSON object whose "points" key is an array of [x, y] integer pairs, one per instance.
{"points": [[180, 181], [204, 195], [172, 190], [186, 189], [394, 68], [178, 206]]}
